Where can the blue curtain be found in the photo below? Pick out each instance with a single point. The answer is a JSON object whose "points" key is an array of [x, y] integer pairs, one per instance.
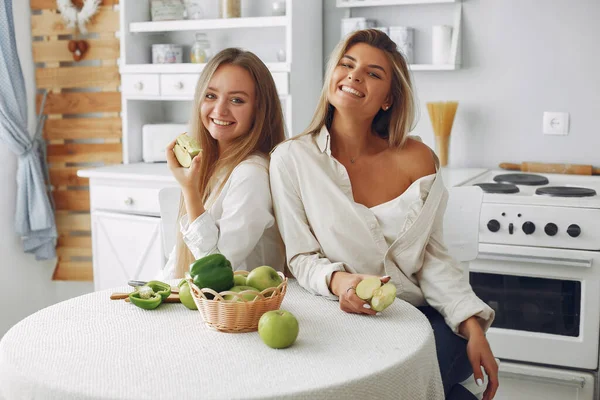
{"points": [[34, 219]]}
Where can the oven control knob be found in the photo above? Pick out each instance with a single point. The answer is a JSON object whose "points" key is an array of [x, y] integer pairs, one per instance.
{"points": [[528, 227], [493, 225], [551, 229], [574, 230]]}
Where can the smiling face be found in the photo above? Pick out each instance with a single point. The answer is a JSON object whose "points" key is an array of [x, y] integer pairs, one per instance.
{"points": [[361, 81], [227, 110]]}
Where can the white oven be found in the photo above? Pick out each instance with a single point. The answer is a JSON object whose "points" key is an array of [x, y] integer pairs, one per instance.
{"points": [[546, 301], [538, 267]]}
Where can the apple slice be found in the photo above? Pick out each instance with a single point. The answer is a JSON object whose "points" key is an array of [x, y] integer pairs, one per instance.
{"points": [[383, 297], [186, 148], [366, 287]]}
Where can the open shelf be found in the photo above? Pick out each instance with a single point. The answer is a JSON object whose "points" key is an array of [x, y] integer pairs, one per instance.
{"points": [[374, 3], [185, 68], [433, 67], [207, 24]]}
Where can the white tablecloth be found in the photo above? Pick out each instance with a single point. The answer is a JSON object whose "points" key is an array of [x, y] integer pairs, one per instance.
{"points": [[91, 347]]}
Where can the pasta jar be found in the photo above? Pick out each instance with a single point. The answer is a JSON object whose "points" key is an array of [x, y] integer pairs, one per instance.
{"points": [[200, 52], [230, 9]]}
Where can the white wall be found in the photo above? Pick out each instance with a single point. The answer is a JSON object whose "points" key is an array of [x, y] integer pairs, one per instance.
{"points": [[520, 58], [27, 283]]}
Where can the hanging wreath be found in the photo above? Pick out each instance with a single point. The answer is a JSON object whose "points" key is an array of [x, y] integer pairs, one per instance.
{"points": [[73, 16]]}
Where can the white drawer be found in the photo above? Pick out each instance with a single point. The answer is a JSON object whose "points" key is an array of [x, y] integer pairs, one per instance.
{"points": [[140, 84], [281, 82], [178, 84], [134, 200]]}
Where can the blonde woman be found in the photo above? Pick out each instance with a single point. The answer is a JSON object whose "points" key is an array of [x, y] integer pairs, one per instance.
{"points": [[226, 202], [355, 196]]}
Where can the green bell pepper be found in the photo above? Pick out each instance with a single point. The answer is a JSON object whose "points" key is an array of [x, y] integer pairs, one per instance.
{"points": [[164, 289], [148, 300], [213, 271]]}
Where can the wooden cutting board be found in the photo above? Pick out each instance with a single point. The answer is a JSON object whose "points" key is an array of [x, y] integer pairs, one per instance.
{"points": [[173, 298], [570, 169]]}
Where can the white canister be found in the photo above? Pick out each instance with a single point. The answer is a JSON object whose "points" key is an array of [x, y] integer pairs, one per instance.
{"points": [[350, 25], [167, 54], [404, 37], [441, 44]]}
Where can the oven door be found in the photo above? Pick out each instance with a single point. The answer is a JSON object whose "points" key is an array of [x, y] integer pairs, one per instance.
{"points": [[546, 302]]}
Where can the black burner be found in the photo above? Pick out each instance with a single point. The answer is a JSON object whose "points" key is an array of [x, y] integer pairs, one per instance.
{"points": [[498, 187], [566, 191], [522, 179]]}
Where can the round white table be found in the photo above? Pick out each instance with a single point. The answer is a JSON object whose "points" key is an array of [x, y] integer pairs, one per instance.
{"points": [[91, 347]]}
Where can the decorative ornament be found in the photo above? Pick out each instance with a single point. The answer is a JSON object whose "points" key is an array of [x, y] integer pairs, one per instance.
{"points": [[78, 48], [73, 16]]}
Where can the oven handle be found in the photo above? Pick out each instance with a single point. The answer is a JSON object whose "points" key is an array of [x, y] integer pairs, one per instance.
{"points": [[570, 381], [571, 262]]}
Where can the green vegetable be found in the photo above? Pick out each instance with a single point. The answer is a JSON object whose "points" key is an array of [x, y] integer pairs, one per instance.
{"points": [[213, 271], [149, 303], [163, 289]]}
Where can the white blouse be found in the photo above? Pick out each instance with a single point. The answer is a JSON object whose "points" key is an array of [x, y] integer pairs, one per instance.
{"points": [[394, 215], [238, 224], [325, 230]]}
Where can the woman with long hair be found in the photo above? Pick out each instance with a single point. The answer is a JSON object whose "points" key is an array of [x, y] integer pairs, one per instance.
{"points": [[355, 196], [226, 204]]}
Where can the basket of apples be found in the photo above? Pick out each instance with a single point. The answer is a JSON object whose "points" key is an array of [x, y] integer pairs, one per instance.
{"points": [[234, 301]]}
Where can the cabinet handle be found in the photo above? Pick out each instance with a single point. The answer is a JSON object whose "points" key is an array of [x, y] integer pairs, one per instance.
{"points": [[129, 201], [138, 86], [179, 85]]}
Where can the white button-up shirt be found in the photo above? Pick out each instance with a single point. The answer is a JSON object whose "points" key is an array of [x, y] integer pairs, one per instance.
{"points": [[325, 230], [239, 223]]}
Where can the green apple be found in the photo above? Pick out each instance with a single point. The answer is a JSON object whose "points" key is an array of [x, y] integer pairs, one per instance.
{"points": [[383, 297], [186, 148], [185, 295], [367, 286], [278, 329], [239, 280], [246, 296], [263, 277]]}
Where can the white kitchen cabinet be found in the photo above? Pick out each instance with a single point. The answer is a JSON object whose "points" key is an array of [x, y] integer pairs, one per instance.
{"points": [[289, 45], [126, 226], [125, 247], [530, 382], [379, 11]]}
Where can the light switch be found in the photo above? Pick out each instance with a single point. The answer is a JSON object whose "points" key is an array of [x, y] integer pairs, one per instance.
{"points": [[556, 123]]}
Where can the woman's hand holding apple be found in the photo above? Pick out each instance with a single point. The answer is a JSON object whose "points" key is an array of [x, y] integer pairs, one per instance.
{"points": [[188, 178], [343, 285]]}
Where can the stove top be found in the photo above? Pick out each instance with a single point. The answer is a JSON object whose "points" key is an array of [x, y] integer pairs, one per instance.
{"points": [[539, 189], [539, 210]]}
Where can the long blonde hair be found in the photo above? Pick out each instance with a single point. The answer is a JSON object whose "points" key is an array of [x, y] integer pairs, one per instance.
{"points": [[393, 124], [266, 132]]}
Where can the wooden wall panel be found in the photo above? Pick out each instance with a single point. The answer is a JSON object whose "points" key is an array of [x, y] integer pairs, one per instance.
{"points": [[58, 51], [52, 24], [83, 124], [81, 103], [51, 4]]}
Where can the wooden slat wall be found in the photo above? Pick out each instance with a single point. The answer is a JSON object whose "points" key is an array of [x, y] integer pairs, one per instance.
{"points": [[83, 125]]}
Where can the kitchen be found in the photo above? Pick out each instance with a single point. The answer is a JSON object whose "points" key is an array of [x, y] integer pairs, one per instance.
{"points": [[519, 60]]}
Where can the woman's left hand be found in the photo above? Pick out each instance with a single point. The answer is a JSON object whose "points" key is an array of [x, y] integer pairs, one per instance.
{"points": [[480, 355]]}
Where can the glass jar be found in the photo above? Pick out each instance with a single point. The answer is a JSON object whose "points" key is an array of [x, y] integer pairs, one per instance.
{"points": [[200, 52], [278, 8], [230, 9]]}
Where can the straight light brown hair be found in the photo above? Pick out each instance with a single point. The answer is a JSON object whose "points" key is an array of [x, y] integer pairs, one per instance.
{"points": [[266, 132], [393, 124]]}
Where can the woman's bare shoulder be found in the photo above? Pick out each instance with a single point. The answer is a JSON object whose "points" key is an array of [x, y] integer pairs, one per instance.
{"points": [[419, 158]]}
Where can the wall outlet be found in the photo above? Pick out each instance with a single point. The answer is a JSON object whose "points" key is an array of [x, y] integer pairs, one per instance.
{"points": [[556, 123]]}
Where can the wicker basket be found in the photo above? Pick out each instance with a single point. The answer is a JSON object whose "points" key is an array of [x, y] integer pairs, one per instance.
{"points": [[237, 314]]}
